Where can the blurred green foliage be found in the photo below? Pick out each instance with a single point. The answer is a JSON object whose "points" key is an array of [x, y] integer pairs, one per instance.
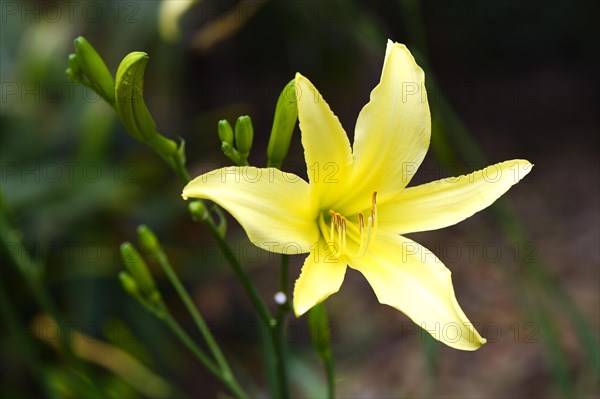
{"points": [[74, 186]]}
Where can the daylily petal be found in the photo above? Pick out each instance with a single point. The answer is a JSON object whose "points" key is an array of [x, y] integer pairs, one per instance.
{"points": [[410, 278], [326, 146], [393, 130], [448, 201], [321, 276], [274, 207]]}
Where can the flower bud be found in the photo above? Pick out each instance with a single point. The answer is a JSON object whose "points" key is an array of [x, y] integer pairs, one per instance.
{"points": [[129, 285], [129, 92], [74, 72], [94, 68], [244, 135], [284, 121], [147, 239], [198, 211], [151, 301], [138, 270], [225, 132], [132, 109]]}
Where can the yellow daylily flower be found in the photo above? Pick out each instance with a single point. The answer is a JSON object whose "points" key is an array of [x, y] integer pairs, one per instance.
{"points": [[356, 205]]}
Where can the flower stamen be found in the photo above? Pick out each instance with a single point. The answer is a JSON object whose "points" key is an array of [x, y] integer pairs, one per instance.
{"points": [[340, 228], [374, 212]]}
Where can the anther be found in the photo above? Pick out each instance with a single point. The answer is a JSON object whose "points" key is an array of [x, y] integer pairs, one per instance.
{"points": [[343, 234], [339, 230], [373, 208]]}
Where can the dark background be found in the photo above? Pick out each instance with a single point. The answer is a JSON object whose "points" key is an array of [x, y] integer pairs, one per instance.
{"points": [[506, 79]]}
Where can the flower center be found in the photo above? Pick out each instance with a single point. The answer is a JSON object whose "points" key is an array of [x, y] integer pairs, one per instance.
{"points": [[348, 237]]}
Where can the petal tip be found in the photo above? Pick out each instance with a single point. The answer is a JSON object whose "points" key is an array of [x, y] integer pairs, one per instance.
{"points": [[298, 310], [185, 193], [478, 344], [475, 342], [299, 77], [524, 167]]}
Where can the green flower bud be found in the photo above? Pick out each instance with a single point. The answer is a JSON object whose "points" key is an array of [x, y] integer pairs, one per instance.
{"points": [[74, 72], [198, 211], [94, 68], [129, 284], [284, 121], [244, 135], [132, 109], [129, 91], [151, 301], [147, 239], [138, 270], [231, 153], [225, 132]]}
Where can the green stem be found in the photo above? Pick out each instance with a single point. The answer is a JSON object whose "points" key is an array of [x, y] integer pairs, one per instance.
{"points": [[177, 164], [330, 372], [273, 325], [180, 169], [279, 359], [255, 298], [283, 279], [277, 331], [318, 324], [225, 371], [190, 344]]}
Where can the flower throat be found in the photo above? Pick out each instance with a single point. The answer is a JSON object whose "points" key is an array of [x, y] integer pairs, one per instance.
{"points": [[342, 234]]}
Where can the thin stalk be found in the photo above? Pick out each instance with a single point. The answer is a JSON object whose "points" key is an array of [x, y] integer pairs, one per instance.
{"points": [[257, 301], [202, 357], [198, 320], [330, 372], [177, 164], [318, 324], [278, 332], [273, 325], [180, 169], [279, 359], [283, 278]]}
